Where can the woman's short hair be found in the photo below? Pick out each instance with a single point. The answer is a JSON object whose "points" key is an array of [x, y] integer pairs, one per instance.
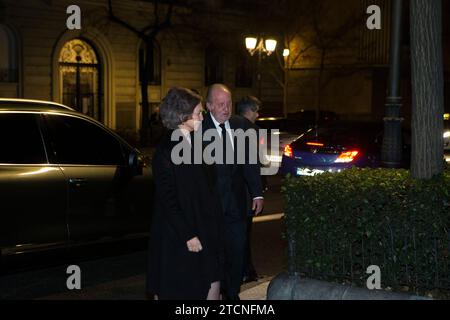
{"points": [[178, 106]]}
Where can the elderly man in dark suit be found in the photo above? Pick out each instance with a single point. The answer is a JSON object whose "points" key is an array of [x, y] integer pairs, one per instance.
{"points": [[248, 108], [234, 181]]}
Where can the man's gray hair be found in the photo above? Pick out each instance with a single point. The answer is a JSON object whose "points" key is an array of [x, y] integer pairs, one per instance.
{"points": [[248, 103]]}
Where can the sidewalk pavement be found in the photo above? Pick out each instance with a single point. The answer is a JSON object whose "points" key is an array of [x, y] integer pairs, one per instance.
{"points": [[133, 288], [258, 292]]}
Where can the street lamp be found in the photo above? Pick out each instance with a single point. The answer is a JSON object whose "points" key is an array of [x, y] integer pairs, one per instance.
{"points": [[263, 46], [266, 46]]}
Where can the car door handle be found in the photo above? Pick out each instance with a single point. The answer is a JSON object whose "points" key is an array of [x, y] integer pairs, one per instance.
{"points": [[77, 182]]}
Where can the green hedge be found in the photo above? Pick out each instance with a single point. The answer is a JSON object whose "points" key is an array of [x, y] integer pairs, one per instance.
{"points": [[344, 222]]}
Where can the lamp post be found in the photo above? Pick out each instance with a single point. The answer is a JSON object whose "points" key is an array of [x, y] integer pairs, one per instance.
{"points": [[391, 154], [286, 54], [263, 46]]}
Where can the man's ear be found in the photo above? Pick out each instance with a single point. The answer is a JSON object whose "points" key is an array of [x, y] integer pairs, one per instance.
{"points": [[208, 106]]}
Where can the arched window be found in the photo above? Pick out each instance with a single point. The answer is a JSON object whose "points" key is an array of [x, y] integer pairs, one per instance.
{"points": [[153, 69], [80, 76], [8, 56]]}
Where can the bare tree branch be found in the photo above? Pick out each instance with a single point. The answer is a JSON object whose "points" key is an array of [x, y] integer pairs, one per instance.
{"points": [[146, 65], [123, 23], [301, 53], [157, 27]]}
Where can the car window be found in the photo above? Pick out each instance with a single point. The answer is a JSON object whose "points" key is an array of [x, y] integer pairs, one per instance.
{"points": [[78, 141], [20, 139]]}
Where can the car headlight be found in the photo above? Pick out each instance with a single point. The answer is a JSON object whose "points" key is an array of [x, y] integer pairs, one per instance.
{"points": [[446, 134]]}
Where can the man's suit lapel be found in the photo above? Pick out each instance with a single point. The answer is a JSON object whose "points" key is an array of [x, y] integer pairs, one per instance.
{"points": [[206, 125], [208, 122]]}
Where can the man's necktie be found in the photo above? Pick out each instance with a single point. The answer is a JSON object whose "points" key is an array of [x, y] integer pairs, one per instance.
{"points": [[227, 148]]}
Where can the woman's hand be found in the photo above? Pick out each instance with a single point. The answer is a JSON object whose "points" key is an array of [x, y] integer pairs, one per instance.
{"points": [[194, 245]]}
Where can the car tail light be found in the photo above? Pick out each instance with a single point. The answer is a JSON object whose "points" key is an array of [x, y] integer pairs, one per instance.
{"points": [[288, 151], [315, 144], [347, 156]]}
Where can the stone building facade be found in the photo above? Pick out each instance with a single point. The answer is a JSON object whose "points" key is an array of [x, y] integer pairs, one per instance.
{"points": [[40, 58]]}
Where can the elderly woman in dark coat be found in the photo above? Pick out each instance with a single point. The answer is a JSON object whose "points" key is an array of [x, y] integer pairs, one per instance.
{"points": [[186, 245]]}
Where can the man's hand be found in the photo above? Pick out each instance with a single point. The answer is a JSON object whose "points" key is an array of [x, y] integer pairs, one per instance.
{"points": [[258, 205], [194, 245]]}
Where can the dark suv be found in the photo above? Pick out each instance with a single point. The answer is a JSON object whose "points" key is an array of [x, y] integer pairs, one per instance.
{"points": [[66, 179]]}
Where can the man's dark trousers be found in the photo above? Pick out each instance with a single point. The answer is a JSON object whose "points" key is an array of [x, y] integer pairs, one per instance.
{"points": [[235, 234]]}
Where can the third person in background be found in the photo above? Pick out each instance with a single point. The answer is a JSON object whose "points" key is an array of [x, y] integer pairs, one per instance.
{"points": [[248, 108]]}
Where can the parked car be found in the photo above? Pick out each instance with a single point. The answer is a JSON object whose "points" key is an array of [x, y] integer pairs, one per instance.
{"points": [[290, 128], [288, 131], [308, 117], [337, 147], [66, 180]]}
